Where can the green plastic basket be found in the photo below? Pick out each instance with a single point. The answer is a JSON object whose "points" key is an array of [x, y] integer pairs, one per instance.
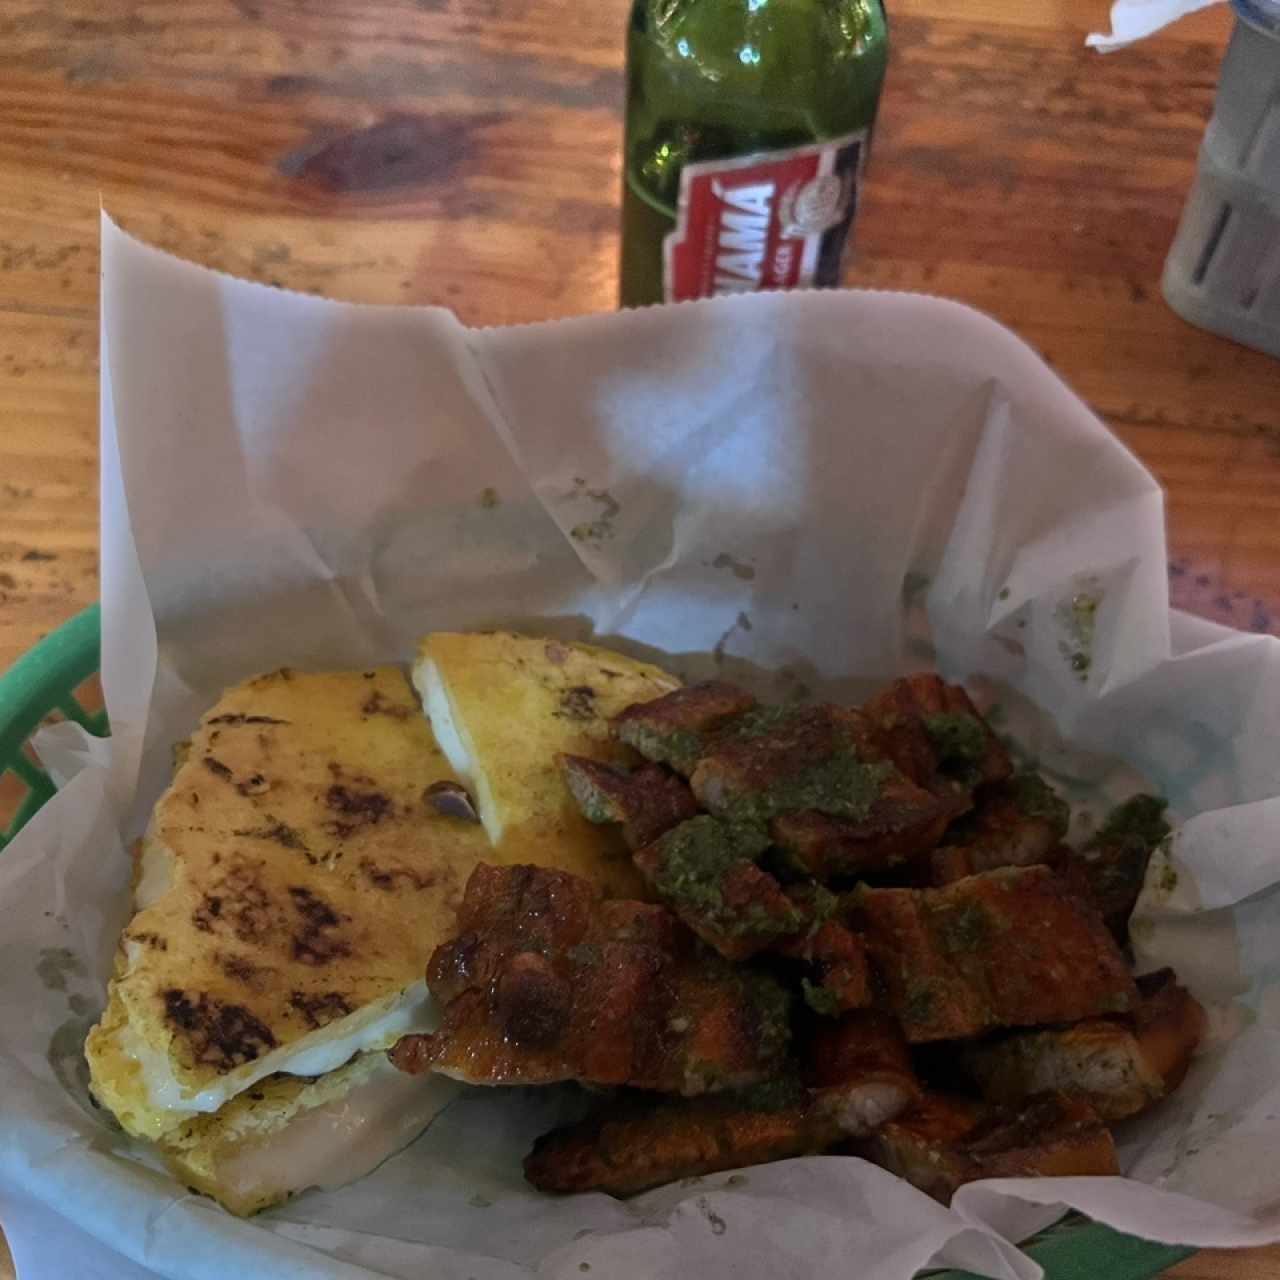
{"points": [[43, 684], [40, 686]]}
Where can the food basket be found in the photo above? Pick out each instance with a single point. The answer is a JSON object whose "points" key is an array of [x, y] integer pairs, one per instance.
{"points": [[46, 684]]}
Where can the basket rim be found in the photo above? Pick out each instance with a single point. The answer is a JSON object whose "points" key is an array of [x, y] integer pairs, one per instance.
{"points": [[45, 675], [80, 628]]}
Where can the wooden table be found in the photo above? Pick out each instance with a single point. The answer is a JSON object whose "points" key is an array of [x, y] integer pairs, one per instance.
{"points": [[465, 152]]}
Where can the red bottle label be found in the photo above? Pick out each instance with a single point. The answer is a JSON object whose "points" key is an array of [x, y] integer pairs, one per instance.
{"points": [[773, 220]]}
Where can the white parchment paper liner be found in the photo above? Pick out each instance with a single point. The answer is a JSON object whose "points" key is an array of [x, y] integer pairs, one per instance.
{"points": [[808, 492]]}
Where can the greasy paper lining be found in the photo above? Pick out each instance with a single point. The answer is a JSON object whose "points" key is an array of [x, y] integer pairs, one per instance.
{"points": [[809, 493]]}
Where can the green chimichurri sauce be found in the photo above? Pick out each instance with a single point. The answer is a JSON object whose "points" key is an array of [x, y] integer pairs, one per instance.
{"points": [[961, 742]]}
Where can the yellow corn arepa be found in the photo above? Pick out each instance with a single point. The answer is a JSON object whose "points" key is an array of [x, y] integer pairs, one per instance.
{"points": [[502, 705], [288, 1133], [292, 884]]}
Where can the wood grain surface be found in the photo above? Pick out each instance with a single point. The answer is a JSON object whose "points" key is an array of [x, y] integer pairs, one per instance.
{"points": [[466, 152]]}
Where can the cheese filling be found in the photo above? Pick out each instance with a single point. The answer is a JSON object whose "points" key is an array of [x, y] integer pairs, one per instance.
{"points": [[439, 707], [374, 1027], [155, 878]]}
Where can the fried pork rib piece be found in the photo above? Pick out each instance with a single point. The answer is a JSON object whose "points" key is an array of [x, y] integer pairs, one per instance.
{"points": [[1017, 823], [675, 729], [942, 1143], [625, 1148], [545, 981], [904, 823], [1120, 1067], [1113, 865], [818, 777], [859, 1071], [705, 871], [1008, 948], [1169, 1026], [865, 1078], [934, 734], [839, 969], [645, 801], [783, 759]]}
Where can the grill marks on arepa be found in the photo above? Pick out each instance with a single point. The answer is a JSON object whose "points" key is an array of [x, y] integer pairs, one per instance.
{"points": [[292, 883]]}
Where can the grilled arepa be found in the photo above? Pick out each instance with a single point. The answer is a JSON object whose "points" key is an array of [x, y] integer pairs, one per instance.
{"points": [[290, 888]]}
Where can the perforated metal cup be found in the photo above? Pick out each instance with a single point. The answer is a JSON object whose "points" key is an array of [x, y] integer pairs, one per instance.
{"points": [[1223, 271]]}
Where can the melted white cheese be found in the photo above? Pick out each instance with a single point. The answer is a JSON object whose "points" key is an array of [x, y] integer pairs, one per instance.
{"points": [[414, 1011], [373, 1027], [444, 725], [156, 867], [339, 1141]]}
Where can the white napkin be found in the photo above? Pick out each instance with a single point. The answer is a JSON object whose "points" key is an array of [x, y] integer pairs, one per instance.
{"points": [[1133, 20]]}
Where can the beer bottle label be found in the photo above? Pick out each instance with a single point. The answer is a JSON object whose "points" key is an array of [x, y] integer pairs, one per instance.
{"points": [[772, 220]]}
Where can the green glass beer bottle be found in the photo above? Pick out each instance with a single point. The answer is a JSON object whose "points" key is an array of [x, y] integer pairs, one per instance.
{"points": [[747, 130]]}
